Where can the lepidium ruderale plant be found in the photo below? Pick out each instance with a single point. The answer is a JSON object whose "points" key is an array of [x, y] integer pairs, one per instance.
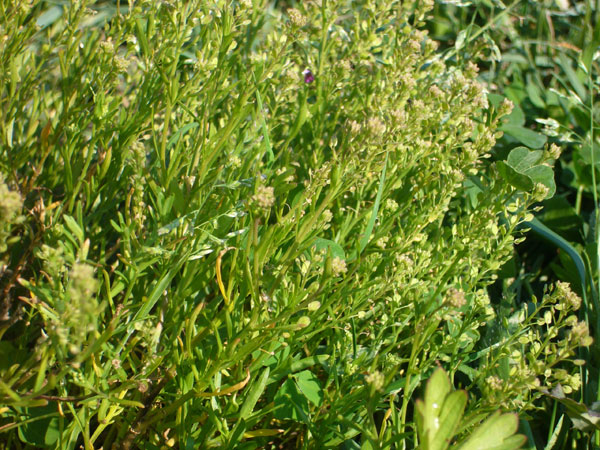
{"points": [[238, 226]]}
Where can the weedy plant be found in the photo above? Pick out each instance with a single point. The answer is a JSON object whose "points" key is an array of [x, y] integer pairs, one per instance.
{"points": [[230, 225], [546, 62]]}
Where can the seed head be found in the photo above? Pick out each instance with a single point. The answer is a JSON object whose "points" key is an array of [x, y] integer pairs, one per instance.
{"points": [[455, 298], [296, 17], [264, 197], [338, 266]]}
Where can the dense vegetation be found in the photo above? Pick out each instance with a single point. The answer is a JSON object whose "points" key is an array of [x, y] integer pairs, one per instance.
{"points": [[244, 224], [543, 57]]}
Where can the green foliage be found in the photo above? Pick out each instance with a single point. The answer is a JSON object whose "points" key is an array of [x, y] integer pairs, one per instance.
{"points": [[440, 413], [207, 245], [525, 169], [545, 61]]}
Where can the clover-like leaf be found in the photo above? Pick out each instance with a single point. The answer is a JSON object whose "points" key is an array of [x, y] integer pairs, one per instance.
{"points": [[290, 403], [310, 386], [521, 158], [524, 169], [518, 180]]}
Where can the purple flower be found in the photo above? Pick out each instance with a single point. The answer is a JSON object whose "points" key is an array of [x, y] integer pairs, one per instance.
{"points": [[308, 76]]}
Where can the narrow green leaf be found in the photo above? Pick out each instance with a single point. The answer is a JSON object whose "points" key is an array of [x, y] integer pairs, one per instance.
{"points": [[41, 375], [589, 50], [254, 394], [49, 16], [554, 438], [574, 80], [545, 232], [438, 387], [535, 93], [524, 424], [158, 290], [420, 422], [125, 402], [237, 433], [180, 132], [367, 235], [461, 38], [141, 35], [263, 123], [299, 121], [74, 228]]}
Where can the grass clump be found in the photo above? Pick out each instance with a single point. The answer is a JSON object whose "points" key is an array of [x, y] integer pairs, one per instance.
{"points": [[232, 225]]}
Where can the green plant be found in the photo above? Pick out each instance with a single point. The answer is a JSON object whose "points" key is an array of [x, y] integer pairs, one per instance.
{"points": [[544, 59], [240, 227], [440, 413]]}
